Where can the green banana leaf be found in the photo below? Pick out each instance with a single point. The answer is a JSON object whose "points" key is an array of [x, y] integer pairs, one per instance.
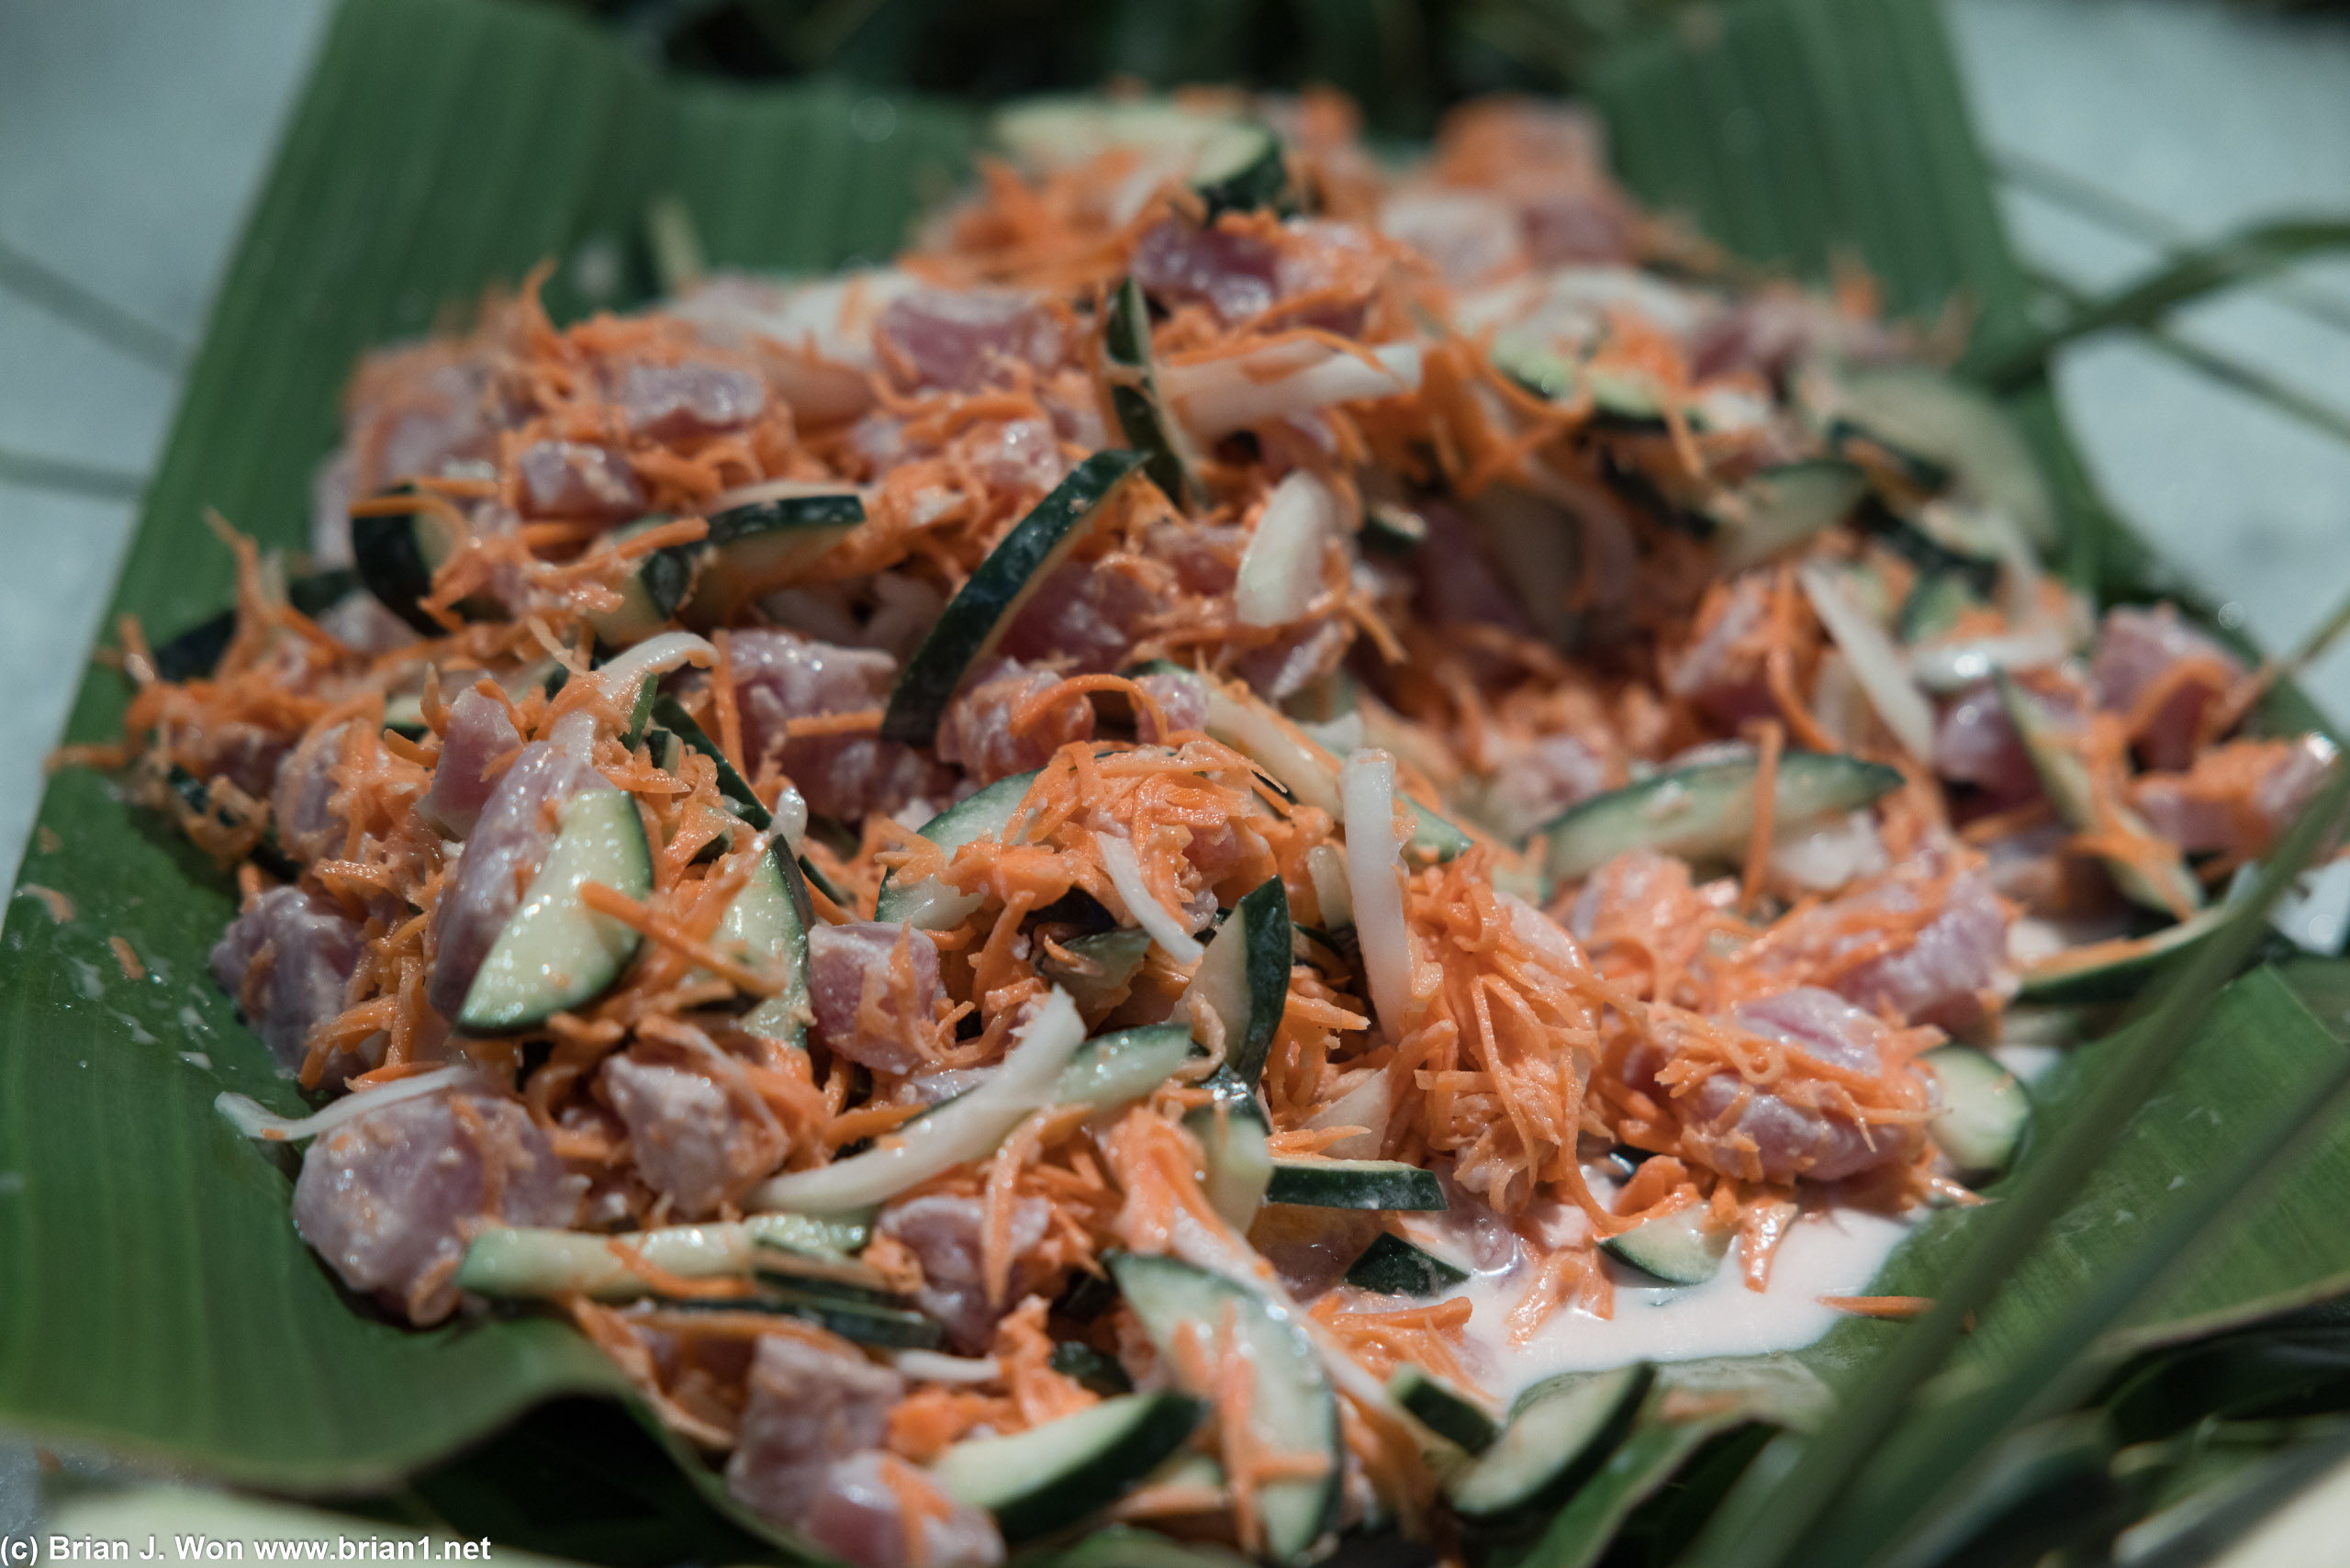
{"points": [[156, 1300]]}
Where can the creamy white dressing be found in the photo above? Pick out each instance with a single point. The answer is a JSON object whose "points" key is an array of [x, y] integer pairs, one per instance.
{"points": [[1832, 1251]]}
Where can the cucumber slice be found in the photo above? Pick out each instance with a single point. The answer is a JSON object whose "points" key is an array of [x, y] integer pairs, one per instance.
{"points": [[1616, 397], [1680, 1248], [1305, 772], [1053, 1475], [671, 715], [1110, 1070], [1780, 508], [931, 904], [967, 629], [2092, 973], [1083, 1363], [1925, 414], [768, 922], [1559, 1434], [763, 542], [650, 594], [1172, 459], [1393, 1266], [1705, 812], [1393, 529], [1292, 1408], [2170, 887], [1235, 1149], [1985, 1109], [555, 953], [1101, 967], [1384, 1184], [1442, 1408], [1243, 978], [879, 1324], [1232, 164], [519, 1260], [1933, 606], [396, 556]]}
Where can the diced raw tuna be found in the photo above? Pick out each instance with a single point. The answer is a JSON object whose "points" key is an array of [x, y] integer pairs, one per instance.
{"points": [[1974, 744], [301, 806], [1017, 454], [288, 959], [945, 1234], [1311, 1249], [245, 754], [1946, 975], [1456, 583], [859, 1513], [861, 998], [2137, 649], [778, 676], [1722, 671], [1233, 273], [570, 478], [1537, 781], [1587, 224], [977, 732], [1087, 616], [1183, 701], [809, 1406], [390, 1199], [694, 1143], [480, 732], [962, 340], [1472, 237], [2237, 798], [509, 844], [668, 401], [1796, 1127]]}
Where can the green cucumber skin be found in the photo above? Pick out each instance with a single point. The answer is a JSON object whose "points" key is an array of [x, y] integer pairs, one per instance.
{"points": [[1265, 958], [196, 653], [1013, 1479], [392, 562], [1986, 1110], [1669, 1248], [1262, 182], [671, 715], [1165, 1292], [1393, 1266], [1443, 1409], [1811, 784], [1483, 1493], [820, 521], [1382, 1185], [864, 1323], [1126, 343], [987, 603], [983, 814], [484, 1011]]}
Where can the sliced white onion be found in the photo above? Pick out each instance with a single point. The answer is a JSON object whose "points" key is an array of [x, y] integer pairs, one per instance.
{"points": [[248, 1116], [1125, 875], [1367, 785], [790, 813], [1280, 572], [622, 679], [1876, 664], [1254, 731], [1220, 396], [965, 1129], [1949, 667], [929, 1366], [1368, 1106], [1327, 868]]}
